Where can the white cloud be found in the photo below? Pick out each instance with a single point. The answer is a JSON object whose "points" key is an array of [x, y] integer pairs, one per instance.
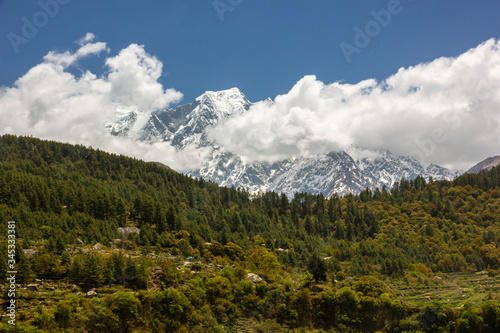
{"points": [[445, 112], [86, 48], [133, 79], [52, 103], [88, 38]]}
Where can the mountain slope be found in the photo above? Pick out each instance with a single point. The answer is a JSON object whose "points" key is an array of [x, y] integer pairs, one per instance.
{"points": [[198, 244], [487, 164]]}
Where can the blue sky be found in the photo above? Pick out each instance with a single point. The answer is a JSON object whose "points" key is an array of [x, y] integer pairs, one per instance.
{"points": [[262, 47], [419, 78]]}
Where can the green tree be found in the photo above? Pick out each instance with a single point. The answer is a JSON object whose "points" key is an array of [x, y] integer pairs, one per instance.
{"points": [[176, 308], [371, 286], [308, 225], [126, 307], [234, 252], [93, 271], [24, 272], [262, 261], [317, 267]]}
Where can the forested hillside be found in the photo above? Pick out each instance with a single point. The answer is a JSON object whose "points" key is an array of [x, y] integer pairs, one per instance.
{"points": [[196, 257]]}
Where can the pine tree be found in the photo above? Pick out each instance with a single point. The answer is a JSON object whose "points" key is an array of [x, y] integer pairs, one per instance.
{"points": [[24, 272], [76, 271], [171, 218], [93, 273], [317, 268], [109, 272], [308, 226]]}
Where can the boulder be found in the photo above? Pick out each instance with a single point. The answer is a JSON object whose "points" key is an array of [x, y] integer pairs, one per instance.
{"points": [[32, 287], [92, 293], [128, 230], [29, 252], [253, 277]]}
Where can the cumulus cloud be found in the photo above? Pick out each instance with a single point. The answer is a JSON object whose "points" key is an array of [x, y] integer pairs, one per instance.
{"points": [[134, 80], [86, 39], [52, 103], [445, 112], [86, 48]]}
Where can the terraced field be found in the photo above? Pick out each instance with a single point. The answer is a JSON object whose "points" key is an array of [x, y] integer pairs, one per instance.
{"points": [[457, 289]]}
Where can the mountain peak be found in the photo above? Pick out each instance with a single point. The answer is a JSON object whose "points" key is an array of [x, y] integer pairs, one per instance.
{"points": [[232, 93], [220, 104]]}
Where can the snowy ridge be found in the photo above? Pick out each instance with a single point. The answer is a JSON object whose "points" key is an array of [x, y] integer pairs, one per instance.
{"points": [[344, 172]]}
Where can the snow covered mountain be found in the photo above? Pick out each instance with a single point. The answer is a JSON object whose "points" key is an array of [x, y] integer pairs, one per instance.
{"points": [[184, 125], [342, 172]]}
